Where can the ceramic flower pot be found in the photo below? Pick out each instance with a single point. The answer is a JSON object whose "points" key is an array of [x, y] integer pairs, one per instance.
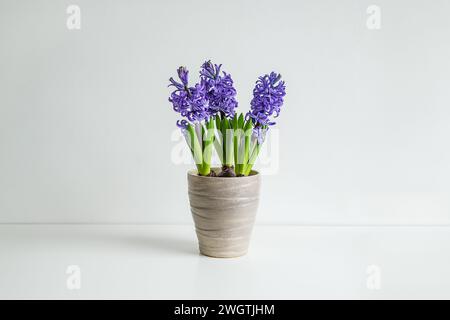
{"points": [[224, 211]]}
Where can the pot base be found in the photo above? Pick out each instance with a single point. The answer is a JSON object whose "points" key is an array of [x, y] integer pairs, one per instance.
{"points": [[228, 240], [221, 255]]}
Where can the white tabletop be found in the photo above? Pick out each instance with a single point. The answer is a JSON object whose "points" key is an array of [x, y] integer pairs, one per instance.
{"points": [[162, 262]]}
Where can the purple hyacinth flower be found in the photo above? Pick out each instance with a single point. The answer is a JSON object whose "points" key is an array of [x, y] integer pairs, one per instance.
{"points": [[259, 134], [267, 99], [182, 124], [221, 93], [183, 75], [210, 70], [190, 102]]}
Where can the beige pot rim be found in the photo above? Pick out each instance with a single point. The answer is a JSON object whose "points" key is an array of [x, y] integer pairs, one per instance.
{"points": [[194, 173]]}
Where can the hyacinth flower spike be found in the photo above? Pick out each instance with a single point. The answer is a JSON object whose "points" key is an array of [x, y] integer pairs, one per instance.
{"points": [[221, 95], [268, 97], [197, 128]]}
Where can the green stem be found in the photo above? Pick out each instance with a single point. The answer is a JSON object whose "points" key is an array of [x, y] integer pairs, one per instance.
{"points": [[235, 143], [229, 147], [218, 139], [208, 147], [225, 142], [247, 138], [251, 162], [196, 149]]}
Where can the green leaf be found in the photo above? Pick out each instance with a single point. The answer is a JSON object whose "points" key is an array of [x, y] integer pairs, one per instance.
{"points": [[236, 146], [235, 141], [235, 122], [248, 125], [218, 125], [224, 140], [208, 146], [241, 121], [229, 145], [218, 137], [196, 149], [247, 138], [252, 160], [219, 149], [203, 137]]}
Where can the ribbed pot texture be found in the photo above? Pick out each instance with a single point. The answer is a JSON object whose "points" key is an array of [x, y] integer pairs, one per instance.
{"points": [[224, 212]]}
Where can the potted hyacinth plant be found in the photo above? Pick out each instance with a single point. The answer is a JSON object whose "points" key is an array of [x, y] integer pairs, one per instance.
{"points": [[224, 200]]}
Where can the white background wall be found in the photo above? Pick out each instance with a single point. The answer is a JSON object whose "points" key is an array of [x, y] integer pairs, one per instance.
{"points": [[85, 125]]}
